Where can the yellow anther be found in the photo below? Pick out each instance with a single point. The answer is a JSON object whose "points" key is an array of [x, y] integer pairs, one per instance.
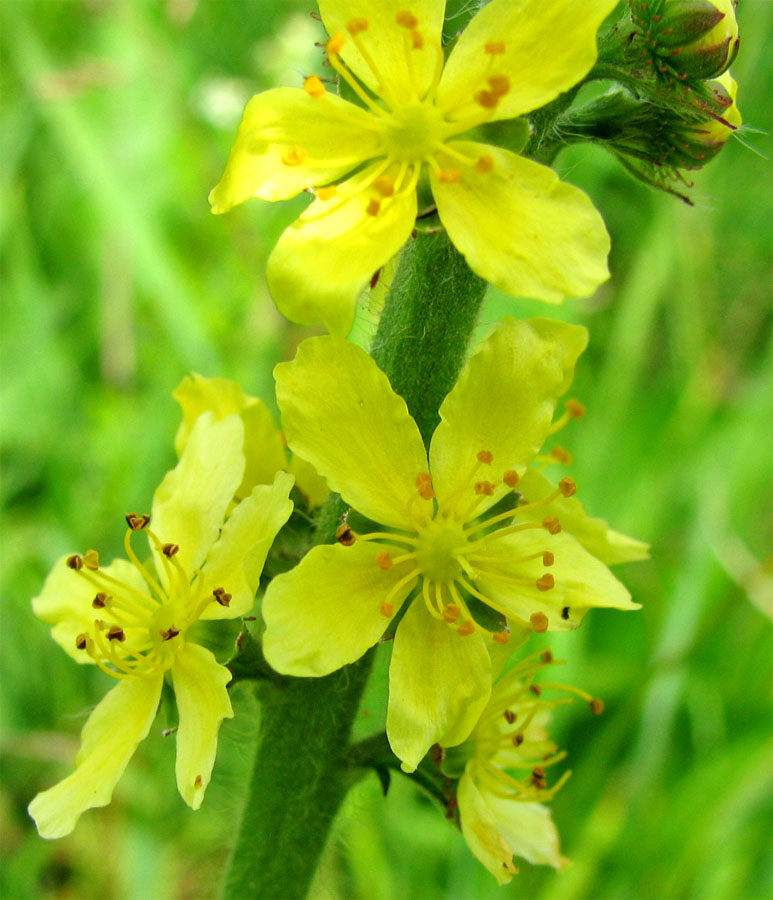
{"points": [[170, 550], [451, 613], [335, 44], [484, 164], [567, 487], [417, 41], [355, 26], [495, 48], [384, 560], [387, 609], [467, 628], [596, 706], [560, 455], [345, 535], [313, 86], [539, 622], [551, 524], [385, 186], [486, 456], [501, 637], [100, 601], [373, 208], [486, 99], [575, 409], [406, 19], [75, 562], [81, 641], [327, 192], [295, 157], [547, 558], [499, 84], [484, 487], [511, 478], [546, 582], [91, 560], [116, 633], [449, 176]]}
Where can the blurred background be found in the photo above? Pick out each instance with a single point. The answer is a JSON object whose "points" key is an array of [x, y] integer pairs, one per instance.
{"points": [[116, 120]]}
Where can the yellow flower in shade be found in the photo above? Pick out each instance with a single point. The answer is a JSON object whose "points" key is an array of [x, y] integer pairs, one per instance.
{"points": [[503, 786], [517, 225], [264, 446], [132, 618], [457, 538]]}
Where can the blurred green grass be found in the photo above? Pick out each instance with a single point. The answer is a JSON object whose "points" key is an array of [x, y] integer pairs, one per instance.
{"points": [[116, 120]]}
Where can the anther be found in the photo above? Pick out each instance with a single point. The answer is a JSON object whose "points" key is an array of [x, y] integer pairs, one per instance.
{"points": [[170, 633], [169, 550], [449, 176], [495, 48], [335, 44], [560, 455], [313, 86], [198, 781], [486, 456], [327, 192], [546, 582], [539, 622], [567, 487], [451, 613], [486, 99], [510, 716], [75, 562], [499, 84], [100, 601], [538, 777], [575, 409], [547, 657], [221, 596], [565, 613], [511, 478], [295, 157], [484, 164], [116, 633], [406, 19], [467, 628], [387, 610], [355, 26], [424, 484], [501, 637], [385, 186], [137, 522], [548, 558], [518, 740], [345, 535], [91, 560], [417, 41], [81, 642], [551, 524], [596, 706], [484, 487], [535, 689], [384, 560], [373, 208]]}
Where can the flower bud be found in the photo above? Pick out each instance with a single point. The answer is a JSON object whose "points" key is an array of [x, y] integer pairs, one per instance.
{"points": [[712, 133]]}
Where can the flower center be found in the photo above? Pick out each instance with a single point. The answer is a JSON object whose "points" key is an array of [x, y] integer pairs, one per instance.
{"points": [[438, 550], [414, 132]]}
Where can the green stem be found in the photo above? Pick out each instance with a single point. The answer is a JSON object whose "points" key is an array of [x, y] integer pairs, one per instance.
{"points": [[302, 771]]}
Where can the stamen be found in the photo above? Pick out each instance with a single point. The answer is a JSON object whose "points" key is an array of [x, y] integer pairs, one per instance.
{"points": [[499, 84], [345, 535], [81, 641], [486, 456], [428, 602], [511, 478], [539, 622], [495, 48], [295, 157], [424, 484], [551, 524], [560, 455], [466, 629], [170, 633], [355, 26], [169, 550], [91, 560], [487, 99], [100, 601], [406, 19], [373, 208], [220, 595], [116, 633], [451, 613], [449, 176], [417, 41], [565, 613], [567, 487], [137, 522], [387, 610], [502, 637], [546, 582], [485, 488], [384, 185], [313, 86], [575, 409], [548, 558], [596, 706], [327, 192], [336, 43], [384, 560], [75, 562], [510, 716]]}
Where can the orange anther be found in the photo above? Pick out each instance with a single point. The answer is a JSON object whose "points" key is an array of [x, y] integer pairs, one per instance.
{"points": [[539, 622], [575, 409], [355, 26], [417, 41], [449, 176], [495, 48], [567, 487], [499, 84], [335, 44], [546, 582], [451, 613], [486, 99], [486, 456], [295, 157], [387, 609], [551, 524], [406, 19], [511, 478], [561, 456], [327, 192], [467, 628], [484, 487], [384, 185], [596, 706], [484, 164], [373, 208], [501, 637], [91, 560], [424, 484], [313, 86], [547, 558], [384, 560]]}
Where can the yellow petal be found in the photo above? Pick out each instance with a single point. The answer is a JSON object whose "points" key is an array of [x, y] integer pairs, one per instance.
{"points": [[264, 449], [581, 581], [324, 259], [396, 70], [190, 503], [202, 703], [326, 612], [323, 138], [108, 740], [236, 559], [548, 48], [65, 602], [611, 547], [502, 403], [480, 831], [340, 413], [308, 481], [522, 228], [439, 683]]}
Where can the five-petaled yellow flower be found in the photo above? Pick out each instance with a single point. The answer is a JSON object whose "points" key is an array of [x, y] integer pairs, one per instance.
{"points": [[471, 566], [515, 222], [132, 618]]}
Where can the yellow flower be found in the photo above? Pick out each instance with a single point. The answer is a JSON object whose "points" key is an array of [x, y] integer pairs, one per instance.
{"points": [[132, 618], [264, 445], [517, 225], [457, 538], [503, 786]]}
